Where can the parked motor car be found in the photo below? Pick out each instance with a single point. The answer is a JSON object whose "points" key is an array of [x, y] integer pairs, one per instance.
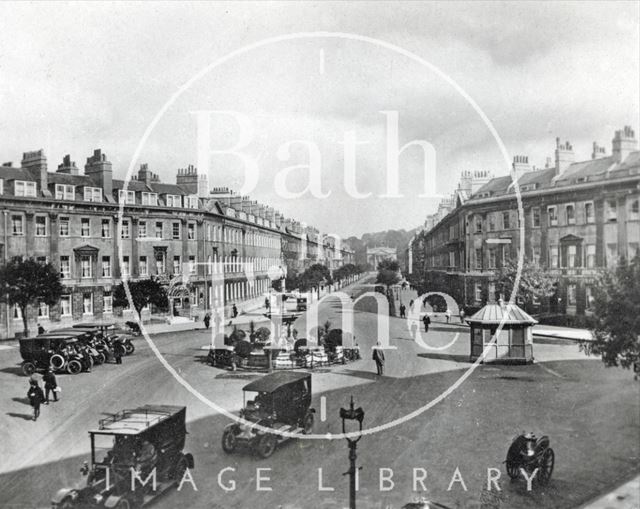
{"points": [[60, 352], [279, 401], [139, 441], [110, 334]]}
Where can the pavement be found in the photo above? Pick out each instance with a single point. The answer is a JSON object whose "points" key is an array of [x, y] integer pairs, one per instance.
{"points": [[626, 496]]}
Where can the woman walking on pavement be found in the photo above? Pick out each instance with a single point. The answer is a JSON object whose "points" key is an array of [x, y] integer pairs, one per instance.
{"points": [[36, 397]]}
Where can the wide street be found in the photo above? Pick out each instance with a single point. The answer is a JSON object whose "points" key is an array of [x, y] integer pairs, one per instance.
{"points": [[591, 414]]}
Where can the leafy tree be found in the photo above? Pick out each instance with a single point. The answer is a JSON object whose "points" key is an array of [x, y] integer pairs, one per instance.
{"points": [[388, 272], [143, 292], [26, 281], [535, 282], [617, 315], [314, 276]]}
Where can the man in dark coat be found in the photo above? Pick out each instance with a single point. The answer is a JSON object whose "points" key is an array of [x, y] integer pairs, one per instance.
{"points": [[36, 397], [207, 320], [426, 320], [118, 350], [234, 310], [50, 385], [378, 356]]}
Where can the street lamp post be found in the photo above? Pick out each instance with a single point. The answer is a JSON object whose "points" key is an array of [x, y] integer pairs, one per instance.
{"points": [[352, 414]]}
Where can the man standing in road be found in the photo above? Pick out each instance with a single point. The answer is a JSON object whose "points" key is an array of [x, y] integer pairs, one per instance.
{"points": [[117, 353], [403, 310], [207, 320], [50, 386], [448, 315], [426, 321], [378, 356]]}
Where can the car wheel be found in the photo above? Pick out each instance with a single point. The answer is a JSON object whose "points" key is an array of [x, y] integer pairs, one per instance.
{"points": [[28, 368], [74, 367], [266, 445], [229, 440], [308, 423], [57, 362], [123, 503], [100, 358], [129, 348]]}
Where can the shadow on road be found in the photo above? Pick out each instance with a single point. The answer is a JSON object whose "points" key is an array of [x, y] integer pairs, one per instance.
{"points": [[24, 401], [445, 357], [26, 417], [13, 370]]}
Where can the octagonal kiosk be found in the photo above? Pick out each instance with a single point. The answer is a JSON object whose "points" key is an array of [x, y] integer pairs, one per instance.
{"points": [[514, 341]]}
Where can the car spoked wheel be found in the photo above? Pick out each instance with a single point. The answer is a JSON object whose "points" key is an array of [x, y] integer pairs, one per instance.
{"points": [[266, 445], [308, 423], [28, 368], [546, 466], [229, 441], [74, 367], [129, 348], [57, 362]]}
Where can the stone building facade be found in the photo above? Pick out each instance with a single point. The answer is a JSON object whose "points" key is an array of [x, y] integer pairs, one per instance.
{"points": [[211, 248], [578, 218]]}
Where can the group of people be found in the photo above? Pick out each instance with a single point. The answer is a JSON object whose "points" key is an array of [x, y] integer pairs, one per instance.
{"points": [[37, 396]]}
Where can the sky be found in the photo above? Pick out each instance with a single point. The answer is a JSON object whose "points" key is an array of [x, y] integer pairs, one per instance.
{"points": [[79, 76]]}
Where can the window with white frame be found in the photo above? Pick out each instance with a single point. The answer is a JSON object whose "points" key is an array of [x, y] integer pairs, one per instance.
{"points": [[85, 227], [492, 259], [589, 215], [142, 266], [65, 192], [65, 305], [478, 292], [506, 220], [106, 229], [158, 230], [590, 256], [634, 209], [93, 194], [125, 266], [570, 213], [41, 226], [177, 267], [106, 266], [572, 251], [191, 202], [191, 231], [142, 229], [552, 213], [107, 303], [150, 199], [125, 229], [24, 188], [161, 265], [192, 264], [87, 303], [571, 295], [589, 298], [85, 266], [65, 267], [17, 225], [63, 227], [175, 230], [43, 310], [553, 257], [126, 197], [611, 211], [535, 217], [174, 200]]}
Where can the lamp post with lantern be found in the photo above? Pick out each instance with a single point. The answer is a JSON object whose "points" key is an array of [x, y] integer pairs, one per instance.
{"points": [[353, 415]]}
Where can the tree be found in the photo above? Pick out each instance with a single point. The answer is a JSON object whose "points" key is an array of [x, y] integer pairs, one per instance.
{"points": [[143, 292], [388, 272], [314, 276], [617, 315], [26, 281], [535, 282]]}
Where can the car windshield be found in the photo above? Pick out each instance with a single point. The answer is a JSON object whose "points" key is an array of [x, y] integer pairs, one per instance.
{"points": [[258, 401]]}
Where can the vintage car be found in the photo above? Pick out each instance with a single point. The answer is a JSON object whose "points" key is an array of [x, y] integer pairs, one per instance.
{"points": [[109, 333], [280, 401], [59, 351], [530, 453], [88, 343], [126, 444]]}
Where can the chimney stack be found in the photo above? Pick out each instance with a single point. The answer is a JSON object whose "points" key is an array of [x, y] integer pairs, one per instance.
{"points": [[598, 151], [520, 166], [564, 156], [100, 171], [68, 166], [624, 142], [36, 163]]}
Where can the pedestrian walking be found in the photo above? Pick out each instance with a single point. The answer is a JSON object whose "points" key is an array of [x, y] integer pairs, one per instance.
{"points": [[411, 304], [403, 310], [234, 310], [448, 314], [207, 320], [426, 321], [36, 397], [41, 329], [378, 357], [267, 304], [50, 386], [117, 353], [462, 314]]}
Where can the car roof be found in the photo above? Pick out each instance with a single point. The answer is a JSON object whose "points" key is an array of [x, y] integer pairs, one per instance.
{"points": [[94, 325], [137, 420], [270, 383]]}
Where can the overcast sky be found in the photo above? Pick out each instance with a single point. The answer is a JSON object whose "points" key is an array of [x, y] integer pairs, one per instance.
{"points": [[75, 77]]}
